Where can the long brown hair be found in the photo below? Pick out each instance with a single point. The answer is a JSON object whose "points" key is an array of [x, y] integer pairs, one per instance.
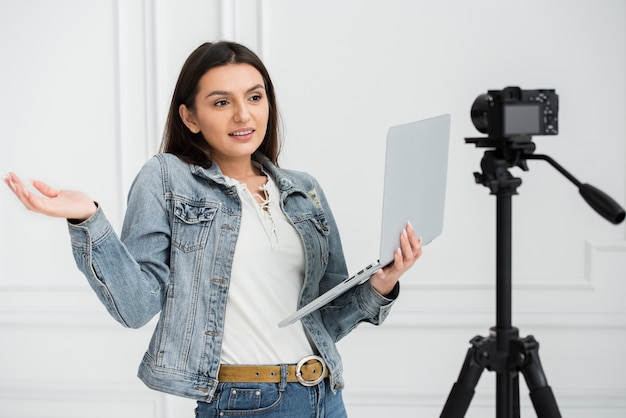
{"points": [[192, 148]]}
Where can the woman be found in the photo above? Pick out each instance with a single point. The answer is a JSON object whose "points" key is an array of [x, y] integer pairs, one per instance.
{"points": [[224, 244]]}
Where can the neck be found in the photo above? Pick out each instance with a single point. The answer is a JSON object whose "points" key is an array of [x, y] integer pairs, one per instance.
{"points": [[238, 170]]}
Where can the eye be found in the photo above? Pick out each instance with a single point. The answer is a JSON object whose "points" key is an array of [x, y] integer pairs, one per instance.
{"points": [[256, 97], [221, 103]]}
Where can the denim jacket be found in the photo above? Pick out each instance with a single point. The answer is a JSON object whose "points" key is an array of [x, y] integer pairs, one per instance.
{"points": [[174, 257]]}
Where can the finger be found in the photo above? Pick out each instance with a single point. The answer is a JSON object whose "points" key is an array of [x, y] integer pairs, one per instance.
{"points": [[396, 266], [416, 242], [18, 188], [406, 245], [28, 199], [7, 180], [416, 245], [409, 228], [418, 252], [398, 260], [413, 239], [44, 188]]}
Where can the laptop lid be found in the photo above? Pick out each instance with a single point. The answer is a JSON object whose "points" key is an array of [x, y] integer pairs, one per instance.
{"points": [[416, 166]]}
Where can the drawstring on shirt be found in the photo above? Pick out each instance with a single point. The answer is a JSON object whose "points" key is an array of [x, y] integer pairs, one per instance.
{"points": [[262, 202]]}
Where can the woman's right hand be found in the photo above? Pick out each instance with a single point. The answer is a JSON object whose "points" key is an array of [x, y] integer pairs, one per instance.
{"points": [[57, 203]]}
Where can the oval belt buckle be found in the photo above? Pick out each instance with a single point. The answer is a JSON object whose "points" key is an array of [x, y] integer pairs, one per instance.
{"points": [[302, 362]]}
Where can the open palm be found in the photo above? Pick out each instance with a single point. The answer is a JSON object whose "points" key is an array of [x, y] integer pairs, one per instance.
{"points": [[52, 202]]}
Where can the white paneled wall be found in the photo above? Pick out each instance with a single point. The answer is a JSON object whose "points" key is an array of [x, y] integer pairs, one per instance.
{"points": [[85, 88]]}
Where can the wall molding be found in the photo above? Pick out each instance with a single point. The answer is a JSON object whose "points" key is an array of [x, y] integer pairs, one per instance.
{"points": [[95, 393], [386, 399], [587, 281], [536, 320], [135, 49], [33, 304], [96, 315], [243, 21]]}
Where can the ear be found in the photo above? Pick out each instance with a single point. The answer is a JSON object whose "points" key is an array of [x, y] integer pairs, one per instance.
{"points": [[188, 119]]}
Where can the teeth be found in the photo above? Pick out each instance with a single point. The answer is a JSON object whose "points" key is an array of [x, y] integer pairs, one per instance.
{"points": [[241, 133]]}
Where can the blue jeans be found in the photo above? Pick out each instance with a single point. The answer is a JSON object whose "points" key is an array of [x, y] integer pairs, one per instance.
{"points": [[273, 400]]}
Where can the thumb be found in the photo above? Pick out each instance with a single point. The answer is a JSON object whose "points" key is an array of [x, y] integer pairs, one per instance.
{"points": [[45, 189]]}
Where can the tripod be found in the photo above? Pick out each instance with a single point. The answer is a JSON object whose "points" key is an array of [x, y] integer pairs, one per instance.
{"points": [[504, 352]]}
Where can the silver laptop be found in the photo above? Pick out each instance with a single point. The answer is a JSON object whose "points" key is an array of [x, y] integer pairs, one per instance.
{"points": [[416, 166]]}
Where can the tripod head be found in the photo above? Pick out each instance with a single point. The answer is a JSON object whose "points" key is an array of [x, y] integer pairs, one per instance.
{"points": [[514, 152], [507, 153]]}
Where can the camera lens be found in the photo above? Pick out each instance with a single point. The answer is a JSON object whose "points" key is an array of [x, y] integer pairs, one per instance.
{"points": [[479, 112]]}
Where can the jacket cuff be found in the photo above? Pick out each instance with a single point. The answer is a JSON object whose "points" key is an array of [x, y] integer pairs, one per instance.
{"points": [[89, 231], [376, 305]]}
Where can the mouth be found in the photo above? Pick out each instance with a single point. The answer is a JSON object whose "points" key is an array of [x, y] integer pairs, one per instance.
{"points": [[242, 133]]}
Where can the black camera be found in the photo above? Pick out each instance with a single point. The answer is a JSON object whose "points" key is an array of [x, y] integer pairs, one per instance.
{"points": [[513, 112]]}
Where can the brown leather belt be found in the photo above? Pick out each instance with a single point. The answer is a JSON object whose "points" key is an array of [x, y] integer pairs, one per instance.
{"points": [[309, 371]]}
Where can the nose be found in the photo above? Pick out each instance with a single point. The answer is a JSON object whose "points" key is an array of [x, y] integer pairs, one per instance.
{"points": [[242, 114]]}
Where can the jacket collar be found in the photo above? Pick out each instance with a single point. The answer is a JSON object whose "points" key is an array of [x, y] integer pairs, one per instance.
{"points": [[284, 182]]}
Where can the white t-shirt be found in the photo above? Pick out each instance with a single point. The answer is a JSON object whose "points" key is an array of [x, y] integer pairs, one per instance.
{"points": [[267, 275]]}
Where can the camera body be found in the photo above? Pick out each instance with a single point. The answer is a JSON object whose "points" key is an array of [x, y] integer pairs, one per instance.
{"points": [[514, 112]]}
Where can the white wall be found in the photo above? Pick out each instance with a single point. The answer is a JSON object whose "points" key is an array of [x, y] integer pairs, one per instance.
{"points": [[85, 87]]}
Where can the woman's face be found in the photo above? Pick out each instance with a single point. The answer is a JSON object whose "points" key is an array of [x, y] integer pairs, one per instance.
{"points": [[231, 111]]}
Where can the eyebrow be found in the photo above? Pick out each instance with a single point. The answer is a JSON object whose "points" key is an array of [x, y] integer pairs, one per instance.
{"points": [[228, 93]]}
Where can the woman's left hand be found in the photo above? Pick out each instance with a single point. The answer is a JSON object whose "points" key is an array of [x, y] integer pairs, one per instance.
{"points": [[384, 280]]}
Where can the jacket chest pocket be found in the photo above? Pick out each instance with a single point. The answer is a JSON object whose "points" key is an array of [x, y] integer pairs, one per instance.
{"points": [[192, 223]]}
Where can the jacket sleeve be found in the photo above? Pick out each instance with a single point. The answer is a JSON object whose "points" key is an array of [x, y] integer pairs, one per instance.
{"points": [[130, 274], [361, 303]]}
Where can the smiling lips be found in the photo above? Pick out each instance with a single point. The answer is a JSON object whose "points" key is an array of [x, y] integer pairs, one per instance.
{"points": [[242, 134]]}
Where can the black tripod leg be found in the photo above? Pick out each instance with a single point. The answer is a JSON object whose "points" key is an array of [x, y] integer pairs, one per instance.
{"points": [[515, 400], [462, 391], [540, 393]]}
